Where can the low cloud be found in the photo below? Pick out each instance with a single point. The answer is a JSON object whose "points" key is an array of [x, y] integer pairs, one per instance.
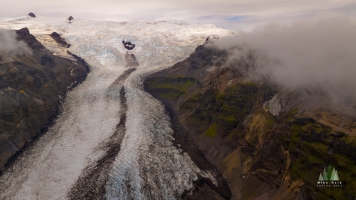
{"points": [[318, 54], [10, 46]]}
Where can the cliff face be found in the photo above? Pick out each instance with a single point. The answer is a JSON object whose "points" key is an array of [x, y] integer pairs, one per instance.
{"points": [[31, 87], [268, 142]]}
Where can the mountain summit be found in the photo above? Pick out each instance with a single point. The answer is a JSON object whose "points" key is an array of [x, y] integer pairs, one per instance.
{"points": [[31, 15]]}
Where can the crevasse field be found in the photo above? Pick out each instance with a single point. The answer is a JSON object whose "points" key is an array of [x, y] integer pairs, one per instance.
{"points": [[147, 166]]}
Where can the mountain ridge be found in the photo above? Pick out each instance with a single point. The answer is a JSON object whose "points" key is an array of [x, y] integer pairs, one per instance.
{"points": [[36, 81], [264, 140]]}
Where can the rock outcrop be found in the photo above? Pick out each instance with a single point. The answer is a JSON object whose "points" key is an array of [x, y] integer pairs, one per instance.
{"points": [[70, 19], [31, 15], [31, 87], [24, 35], [59, 39], [128, 45]]}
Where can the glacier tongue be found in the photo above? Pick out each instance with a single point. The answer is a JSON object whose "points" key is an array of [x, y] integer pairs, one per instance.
{"points": [[147, 166]]}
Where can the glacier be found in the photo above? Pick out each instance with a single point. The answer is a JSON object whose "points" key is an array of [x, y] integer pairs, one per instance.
{"points": [[147, 166]]}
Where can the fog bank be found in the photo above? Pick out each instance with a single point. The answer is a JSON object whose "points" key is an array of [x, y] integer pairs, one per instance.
{"points": [[317, 53]]}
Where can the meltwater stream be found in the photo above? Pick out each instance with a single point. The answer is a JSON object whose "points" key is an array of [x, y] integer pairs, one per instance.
{"points": [[112, 140]]}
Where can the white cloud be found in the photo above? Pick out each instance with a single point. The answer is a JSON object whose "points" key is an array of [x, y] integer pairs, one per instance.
{"points": [[317, 53], [10, 46]]}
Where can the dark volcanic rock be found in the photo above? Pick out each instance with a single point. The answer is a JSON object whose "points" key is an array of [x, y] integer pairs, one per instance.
{"points": [[47, 60], [31, 14], [30, 91], [59, 39], [128, 45], [24, 35]]}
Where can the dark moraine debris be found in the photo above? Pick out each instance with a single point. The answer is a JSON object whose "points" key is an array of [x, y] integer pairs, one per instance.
{"points": [[59, 39], [31, 87], [31, 14], [131, 60], [91, 183], [128, 45]]}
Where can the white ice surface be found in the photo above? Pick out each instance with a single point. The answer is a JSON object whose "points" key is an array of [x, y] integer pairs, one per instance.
{"points": [[51, 167]]}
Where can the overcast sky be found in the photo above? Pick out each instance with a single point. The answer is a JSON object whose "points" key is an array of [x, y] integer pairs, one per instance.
{"points": [[230, 14]]}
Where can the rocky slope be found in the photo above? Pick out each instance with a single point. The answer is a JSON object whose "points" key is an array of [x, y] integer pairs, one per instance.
{"points": [[268, 142], [31, 87]]}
